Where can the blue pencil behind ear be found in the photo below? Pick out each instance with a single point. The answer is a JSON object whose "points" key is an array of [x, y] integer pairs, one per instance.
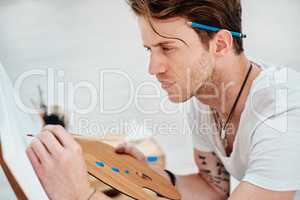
{"points": [[214, 29]]}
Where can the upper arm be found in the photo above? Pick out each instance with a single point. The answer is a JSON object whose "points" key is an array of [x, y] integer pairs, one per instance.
{"points": [[212, 171], [249, 191]]}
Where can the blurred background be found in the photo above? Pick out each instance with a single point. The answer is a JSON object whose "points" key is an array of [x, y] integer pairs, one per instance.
{"points": [[92, 50]]}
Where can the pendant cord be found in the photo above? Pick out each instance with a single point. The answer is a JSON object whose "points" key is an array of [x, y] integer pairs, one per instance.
{"points": [[237, 98]]}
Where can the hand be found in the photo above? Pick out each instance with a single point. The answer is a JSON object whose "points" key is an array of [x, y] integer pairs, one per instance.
{"points": [[125, 148], [58, 162]]}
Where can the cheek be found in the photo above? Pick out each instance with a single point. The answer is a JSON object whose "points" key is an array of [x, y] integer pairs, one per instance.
{"points": [[190, 71], [202, 70]]}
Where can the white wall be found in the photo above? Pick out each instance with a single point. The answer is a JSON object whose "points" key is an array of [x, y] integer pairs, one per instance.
{"points": [[84, 37], [273, 31]]}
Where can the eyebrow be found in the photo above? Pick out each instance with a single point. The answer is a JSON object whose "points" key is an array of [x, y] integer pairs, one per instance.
{"points": [[160, 44]]}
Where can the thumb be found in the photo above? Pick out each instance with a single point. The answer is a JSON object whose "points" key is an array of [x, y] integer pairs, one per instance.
{"points": [[125, 148], [121, 148]]}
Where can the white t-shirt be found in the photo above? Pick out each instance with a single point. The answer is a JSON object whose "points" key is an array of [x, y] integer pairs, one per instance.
{"points": [[266, 150]]}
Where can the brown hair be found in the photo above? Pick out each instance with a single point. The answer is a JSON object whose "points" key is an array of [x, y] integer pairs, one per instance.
{"points": [[225, 14]]}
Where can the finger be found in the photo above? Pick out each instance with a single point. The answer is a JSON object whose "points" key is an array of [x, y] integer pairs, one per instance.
{"points": [[35, 162], [32, 156], [61, 134], [121, 148], [137, 154], [130, 150], [40, 150], [51, 142]]}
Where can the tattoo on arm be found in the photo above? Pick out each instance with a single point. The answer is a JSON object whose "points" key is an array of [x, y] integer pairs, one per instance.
{"points": [[213, 171]]}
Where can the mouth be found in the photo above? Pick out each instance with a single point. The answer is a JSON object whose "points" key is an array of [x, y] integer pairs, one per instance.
{"points": [[166, 84]]}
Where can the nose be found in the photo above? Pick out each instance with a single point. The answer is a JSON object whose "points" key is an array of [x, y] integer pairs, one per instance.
{"points": [[157, 64]]}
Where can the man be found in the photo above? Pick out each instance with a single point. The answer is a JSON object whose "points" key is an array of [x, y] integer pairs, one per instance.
{"points": [[244, 115]]}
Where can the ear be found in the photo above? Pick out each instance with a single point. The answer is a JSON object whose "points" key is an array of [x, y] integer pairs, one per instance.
{"points": [[223, 42]]}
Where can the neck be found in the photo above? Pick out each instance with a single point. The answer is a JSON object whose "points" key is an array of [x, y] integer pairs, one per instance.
{"points": [[222, 89]]}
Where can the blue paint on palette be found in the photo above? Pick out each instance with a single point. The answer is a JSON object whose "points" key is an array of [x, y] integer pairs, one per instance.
{"points": [[126, 171], [100, 164], [152, 158], [115, 169]]}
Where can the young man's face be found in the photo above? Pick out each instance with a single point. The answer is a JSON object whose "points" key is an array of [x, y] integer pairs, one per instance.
{"points": [[181, 68]]}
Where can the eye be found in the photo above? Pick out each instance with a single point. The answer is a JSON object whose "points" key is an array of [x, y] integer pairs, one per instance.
{"points": [[167, 49]]}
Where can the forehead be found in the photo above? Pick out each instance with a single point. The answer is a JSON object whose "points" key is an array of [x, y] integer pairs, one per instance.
{"points": [[174, 28]]}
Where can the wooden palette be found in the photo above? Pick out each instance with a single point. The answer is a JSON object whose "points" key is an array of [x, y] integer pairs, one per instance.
{"points": [[123, 172]]}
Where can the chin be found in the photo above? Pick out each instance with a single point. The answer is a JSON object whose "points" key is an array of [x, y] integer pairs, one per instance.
{"points": [[178, 99]]}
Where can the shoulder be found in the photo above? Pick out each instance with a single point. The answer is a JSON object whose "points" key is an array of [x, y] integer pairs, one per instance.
{"points": [[275, 91], [272, 121], [274, 103]]}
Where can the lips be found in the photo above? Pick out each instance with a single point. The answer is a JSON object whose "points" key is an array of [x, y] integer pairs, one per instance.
{"points": [[166, 84]]}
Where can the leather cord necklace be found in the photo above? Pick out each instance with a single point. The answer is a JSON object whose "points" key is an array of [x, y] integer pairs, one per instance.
{"points": [[223, 128]]}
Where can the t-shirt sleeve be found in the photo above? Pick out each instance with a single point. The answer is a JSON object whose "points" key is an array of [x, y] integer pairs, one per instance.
{"points": [[199, 126], [274, 161]]}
